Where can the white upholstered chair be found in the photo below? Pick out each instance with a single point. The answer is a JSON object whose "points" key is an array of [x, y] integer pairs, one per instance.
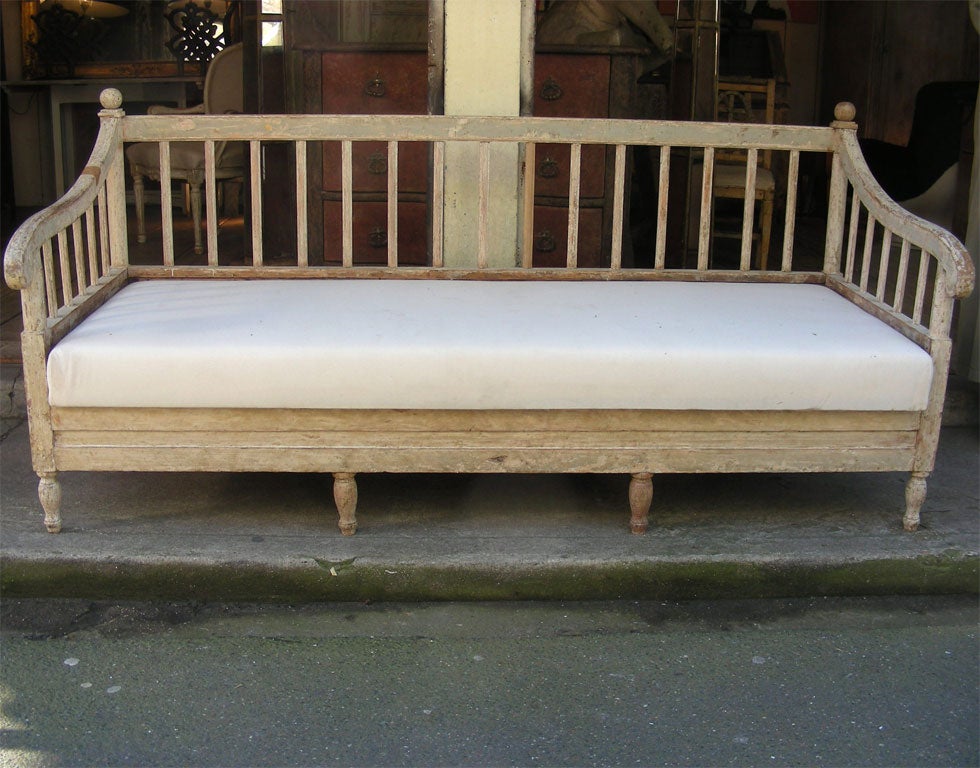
{"points": [[223, 93]]}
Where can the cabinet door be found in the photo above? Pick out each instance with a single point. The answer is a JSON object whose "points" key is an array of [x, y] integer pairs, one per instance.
{"points": [[375, 83], [370, 231], [369, 166], [551, 237], [553, 167], [570, 85]]}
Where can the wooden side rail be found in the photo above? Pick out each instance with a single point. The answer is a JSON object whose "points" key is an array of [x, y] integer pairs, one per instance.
{"points": [[900, 265], [63, 256]]}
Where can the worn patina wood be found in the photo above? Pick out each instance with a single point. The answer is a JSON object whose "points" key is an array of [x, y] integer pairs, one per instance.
{"points": [[72, 257]]}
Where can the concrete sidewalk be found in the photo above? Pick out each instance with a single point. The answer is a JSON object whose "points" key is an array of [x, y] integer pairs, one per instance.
{"points": [[440, 537]]}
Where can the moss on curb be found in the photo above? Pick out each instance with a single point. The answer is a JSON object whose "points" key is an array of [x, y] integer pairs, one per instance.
{"points": [[951, 573]]}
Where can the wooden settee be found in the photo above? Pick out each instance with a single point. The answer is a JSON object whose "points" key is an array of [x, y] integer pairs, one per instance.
{"points": [[684, 364]]}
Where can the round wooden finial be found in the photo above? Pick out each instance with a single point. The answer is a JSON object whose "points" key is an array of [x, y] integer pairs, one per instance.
{"points": [[111, 98], [844, 112]]}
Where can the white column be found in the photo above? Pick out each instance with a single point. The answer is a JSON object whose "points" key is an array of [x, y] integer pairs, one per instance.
{"points": [[482, 77]]}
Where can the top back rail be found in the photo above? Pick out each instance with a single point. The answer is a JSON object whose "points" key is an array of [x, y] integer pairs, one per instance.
{"points": [[903, 269]]}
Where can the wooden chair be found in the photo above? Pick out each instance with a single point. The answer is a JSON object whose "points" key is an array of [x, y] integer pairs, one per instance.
{"points": [[747, 101], [223, 93]]}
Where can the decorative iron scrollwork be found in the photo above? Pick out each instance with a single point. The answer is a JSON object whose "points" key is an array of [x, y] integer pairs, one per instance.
{"points": [[196, 36], [65, 38]]}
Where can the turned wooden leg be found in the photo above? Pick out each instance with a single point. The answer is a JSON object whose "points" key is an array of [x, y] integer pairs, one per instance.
{"points": [[139, 198], [915, 495], [641, 495], [345, 495], [49, 492]]}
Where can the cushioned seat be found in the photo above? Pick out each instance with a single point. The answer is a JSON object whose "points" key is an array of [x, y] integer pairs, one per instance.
{"points": [[482, 345]]}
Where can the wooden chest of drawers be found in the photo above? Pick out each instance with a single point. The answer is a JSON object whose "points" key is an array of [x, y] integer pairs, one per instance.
{"points": [[566, 84], [376, 83]]}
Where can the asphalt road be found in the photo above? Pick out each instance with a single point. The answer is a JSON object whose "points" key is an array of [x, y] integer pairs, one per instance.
{"points": [[876, 682]]}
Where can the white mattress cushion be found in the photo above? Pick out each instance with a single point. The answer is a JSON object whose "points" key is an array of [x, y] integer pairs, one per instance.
{"points": [[480, 344]]}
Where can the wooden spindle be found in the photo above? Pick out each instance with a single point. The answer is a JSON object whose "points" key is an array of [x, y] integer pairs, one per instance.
{"points": [[748, 208], [50, 281], [166, 205], [64, 269], [392, 203], [574, 188], [79, 256], [103, 232], [90, 245], [302, 226], [883, 264], [619, 195], [707, 188], [347, 204], [836, 205], [660, 253], [527, 218], [789, 223], [869, 238], [902, 276], [438, 200], [211, 204], [255, 192], [115, 186], [920, 287], [852, 237]]}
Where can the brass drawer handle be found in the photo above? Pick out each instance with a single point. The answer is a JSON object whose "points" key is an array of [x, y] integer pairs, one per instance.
{"points": [[377, 164], [378, 238], [544, 241], [548, 169], [375, 87], [550, 90]]}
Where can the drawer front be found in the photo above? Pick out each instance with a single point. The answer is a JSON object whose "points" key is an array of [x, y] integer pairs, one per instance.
{"points": [[371, 233], [375, 83], [369, 166], [551, 237], [570, 85], [553, 164]]}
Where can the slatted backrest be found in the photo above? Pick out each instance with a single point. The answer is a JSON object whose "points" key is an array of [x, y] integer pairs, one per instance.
{"points": [[904, 269], [663, 142]]}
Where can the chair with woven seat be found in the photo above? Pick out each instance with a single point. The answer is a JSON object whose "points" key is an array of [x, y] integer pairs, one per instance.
{"points": [[223, 93], [746, 101]]}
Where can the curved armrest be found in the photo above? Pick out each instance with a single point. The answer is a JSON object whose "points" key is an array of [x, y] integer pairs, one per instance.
{"points": [[949, 252]]}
